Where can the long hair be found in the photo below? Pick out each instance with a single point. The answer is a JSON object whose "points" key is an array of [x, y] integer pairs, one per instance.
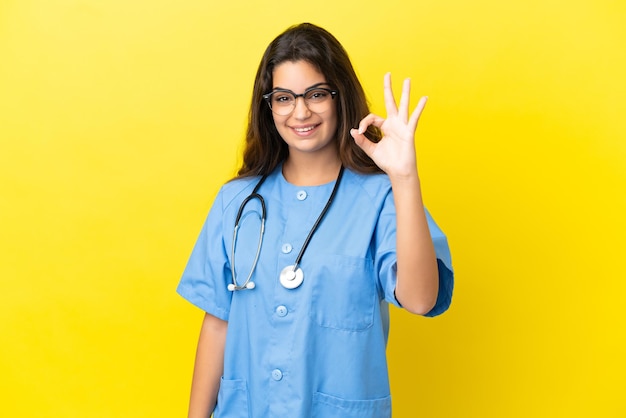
{"points": [[264, 148]]}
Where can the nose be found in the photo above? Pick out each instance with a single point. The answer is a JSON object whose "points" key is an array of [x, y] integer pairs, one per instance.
{"points": [[301, 111]]}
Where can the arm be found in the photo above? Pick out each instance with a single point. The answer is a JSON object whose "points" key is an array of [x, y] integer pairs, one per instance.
{"points": [[209, 367], [417, 277]]}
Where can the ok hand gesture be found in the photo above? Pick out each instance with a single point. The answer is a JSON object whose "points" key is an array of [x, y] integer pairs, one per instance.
{"points": [[395, 152]]}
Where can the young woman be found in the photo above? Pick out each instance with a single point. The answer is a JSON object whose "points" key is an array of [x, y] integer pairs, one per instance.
{"points": [[302, 252]]}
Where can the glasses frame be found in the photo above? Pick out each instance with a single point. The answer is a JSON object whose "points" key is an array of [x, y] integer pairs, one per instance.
{"points": [[268, 96]]}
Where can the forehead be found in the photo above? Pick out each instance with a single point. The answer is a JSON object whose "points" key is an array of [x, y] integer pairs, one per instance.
{"points": [[296, 75]]}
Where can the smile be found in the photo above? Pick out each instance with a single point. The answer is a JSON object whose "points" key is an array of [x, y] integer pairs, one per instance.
{"points": [[305, 129]]}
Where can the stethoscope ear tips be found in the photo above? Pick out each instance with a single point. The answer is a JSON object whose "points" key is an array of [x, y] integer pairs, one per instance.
{"points": [[250, 285], [231, 287]]}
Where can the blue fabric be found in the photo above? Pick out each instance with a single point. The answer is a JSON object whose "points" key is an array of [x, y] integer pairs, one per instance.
{"points": [[317, 350]]}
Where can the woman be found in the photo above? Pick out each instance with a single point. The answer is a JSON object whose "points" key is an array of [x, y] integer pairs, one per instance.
{"points": [[329, 227]]}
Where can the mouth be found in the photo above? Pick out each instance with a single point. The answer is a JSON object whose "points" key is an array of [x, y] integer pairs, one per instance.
{"points": [[304, 130]]}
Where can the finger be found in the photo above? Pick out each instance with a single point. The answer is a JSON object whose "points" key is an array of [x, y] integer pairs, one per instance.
{"points": [[403, 110], [368, 120], [415, 116], [390, 101], [363, 142]]}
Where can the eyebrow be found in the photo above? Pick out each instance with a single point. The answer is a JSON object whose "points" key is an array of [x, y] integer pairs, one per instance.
{"points": [[323, 83]]}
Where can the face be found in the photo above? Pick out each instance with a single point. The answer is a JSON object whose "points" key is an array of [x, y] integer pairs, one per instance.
{"points": [[304, 131]]}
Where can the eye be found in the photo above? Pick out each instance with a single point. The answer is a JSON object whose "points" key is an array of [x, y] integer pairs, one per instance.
{"points": [[282, 98], [317, 95]]}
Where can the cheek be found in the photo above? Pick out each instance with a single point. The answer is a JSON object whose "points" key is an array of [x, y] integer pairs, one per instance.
{"points": [[278, 120], [279, 125]]}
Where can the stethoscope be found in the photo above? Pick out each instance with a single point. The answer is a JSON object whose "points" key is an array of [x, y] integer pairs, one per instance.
{"points": [[291, 276], [248, 284]]}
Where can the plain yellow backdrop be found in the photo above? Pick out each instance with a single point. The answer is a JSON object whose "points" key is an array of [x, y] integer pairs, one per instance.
{"points": [[120, 119]]}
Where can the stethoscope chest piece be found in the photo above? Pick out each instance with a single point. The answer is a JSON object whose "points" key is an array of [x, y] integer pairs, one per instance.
{"points": [[290, 278]]}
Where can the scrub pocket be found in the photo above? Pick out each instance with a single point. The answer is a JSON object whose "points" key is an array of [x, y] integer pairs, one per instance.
{"points": [[344, 293], [326, 406], [232, 400]]}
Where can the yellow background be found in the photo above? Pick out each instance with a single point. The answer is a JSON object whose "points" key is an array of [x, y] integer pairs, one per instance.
{"points": [[119, 120]]}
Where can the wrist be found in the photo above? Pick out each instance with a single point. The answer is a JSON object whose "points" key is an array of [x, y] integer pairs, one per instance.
{"points": [[404, 178]]}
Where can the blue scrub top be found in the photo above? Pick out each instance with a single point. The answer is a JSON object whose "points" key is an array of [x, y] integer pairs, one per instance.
{"points": [[317, 350]]}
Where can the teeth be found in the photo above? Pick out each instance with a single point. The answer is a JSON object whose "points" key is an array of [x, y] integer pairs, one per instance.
{"points": [[304, 129]]}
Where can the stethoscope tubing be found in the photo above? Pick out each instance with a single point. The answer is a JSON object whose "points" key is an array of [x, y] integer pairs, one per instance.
{"points": [[318, 220], [248, 284]]}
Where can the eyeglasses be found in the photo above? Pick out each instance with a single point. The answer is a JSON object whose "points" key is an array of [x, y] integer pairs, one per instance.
{"points": [[317, 99]]}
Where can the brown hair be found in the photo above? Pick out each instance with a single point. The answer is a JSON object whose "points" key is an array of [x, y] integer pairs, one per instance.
{"points": [[264, 148]]}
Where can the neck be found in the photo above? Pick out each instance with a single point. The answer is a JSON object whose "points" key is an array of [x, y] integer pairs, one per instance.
{"points": [[304, 172]]}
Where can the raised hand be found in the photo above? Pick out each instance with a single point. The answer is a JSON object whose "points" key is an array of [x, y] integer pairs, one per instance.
{"points": [[395, 152]]}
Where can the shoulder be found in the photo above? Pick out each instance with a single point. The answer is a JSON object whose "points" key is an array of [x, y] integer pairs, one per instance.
{"points": [[231, 191]]}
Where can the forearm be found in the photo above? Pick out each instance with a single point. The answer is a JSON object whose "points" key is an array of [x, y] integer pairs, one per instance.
{"points": [[417, 275], [209, 367]]}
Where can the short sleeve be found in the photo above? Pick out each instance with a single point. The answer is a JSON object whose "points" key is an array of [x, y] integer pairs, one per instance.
{"points": [[444, 264], [386, 259], [207, 274]]}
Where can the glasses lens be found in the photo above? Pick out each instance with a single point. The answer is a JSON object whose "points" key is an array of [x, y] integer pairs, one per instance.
{"points": [[317, 100], [282, 103], [317, 96]]}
